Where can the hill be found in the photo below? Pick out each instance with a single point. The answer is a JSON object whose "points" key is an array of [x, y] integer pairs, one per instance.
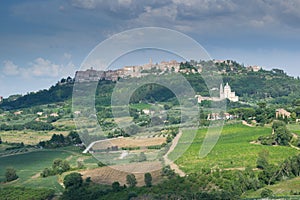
{"points": [[274, 86]]}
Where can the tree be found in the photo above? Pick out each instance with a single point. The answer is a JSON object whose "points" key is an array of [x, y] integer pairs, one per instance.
{"points": [[262, 160], [142, 157], [73, 181], [46, 172], [277, 124], [148, 179], [59, 166], [262, 105], [116, 186], [0, 140], [131, 180], [283, 136], [11, 174]]}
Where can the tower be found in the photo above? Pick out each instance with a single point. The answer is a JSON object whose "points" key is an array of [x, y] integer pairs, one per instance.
{"points": [[222, 96], [227, 91]]}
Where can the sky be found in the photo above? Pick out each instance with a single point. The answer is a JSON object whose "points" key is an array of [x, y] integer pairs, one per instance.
{"points": [[44, 41]]}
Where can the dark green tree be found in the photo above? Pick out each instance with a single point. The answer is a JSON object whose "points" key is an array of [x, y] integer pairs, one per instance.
{"points": [[11, 174], [116, 186], [283, 136], [148, 179], [131, 180], [73, 181]]}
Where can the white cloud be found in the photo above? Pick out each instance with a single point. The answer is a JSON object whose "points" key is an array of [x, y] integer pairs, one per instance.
{"points": [[40, 67], [10, 68]]}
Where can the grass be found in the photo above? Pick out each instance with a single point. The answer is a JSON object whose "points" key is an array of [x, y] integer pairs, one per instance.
{"points": [[3, 147], [233, 149], [29, 166], [141, 106], [29, 136], [283, 188], [294, 128]]}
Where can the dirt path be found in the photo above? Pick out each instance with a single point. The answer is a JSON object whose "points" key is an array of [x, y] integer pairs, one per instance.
{"points": [[170, 162], [294, 136], [245, 123]]}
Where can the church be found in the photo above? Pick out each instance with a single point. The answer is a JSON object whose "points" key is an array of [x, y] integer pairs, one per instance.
{"points": [[226, 93]]}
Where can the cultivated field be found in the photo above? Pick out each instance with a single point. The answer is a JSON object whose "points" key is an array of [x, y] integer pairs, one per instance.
{"points": [[130, 142], [233, 149], [28, 136], [108, 175]]}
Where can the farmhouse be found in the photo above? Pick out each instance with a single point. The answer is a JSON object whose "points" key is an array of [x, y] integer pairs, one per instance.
{"points": [[282, 113]]}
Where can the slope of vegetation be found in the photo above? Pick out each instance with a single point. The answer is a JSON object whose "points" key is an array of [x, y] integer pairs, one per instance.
{"points": [[234, 150], [275, 86]]}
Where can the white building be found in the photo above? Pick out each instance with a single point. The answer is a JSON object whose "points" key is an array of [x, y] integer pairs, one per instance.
{"points": [[226, 93]]}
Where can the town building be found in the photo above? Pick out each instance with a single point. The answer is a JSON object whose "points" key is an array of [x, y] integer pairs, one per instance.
{"points": [[282, 113], [254, 68]]}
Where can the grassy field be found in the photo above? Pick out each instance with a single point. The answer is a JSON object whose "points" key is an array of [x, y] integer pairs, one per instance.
{"points": [[30, 165], [141, 106], [233, 149], [283, 188], [29, 136], [294, 128]]}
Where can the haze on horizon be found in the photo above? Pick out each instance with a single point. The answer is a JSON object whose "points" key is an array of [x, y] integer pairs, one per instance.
{"points": [[43, 41]]}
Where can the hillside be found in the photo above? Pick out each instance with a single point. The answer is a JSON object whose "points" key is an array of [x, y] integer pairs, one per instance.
{"points": [[274, 86]]}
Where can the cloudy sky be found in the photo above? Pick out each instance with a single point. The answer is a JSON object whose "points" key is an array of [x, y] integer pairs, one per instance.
{"points": [[43, 41]]}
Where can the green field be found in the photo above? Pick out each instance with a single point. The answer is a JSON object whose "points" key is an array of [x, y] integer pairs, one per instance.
{"points": [[29, 166], [294, 128], [141, 106], [233, 149], [283, 188]]}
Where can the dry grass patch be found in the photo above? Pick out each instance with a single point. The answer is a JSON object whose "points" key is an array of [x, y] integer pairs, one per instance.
{"points": [[28, 136], [130, 142], [108, 175]]}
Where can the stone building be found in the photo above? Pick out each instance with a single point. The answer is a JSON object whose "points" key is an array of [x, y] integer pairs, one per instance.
{"points": [[282, 113], [226, 93]]}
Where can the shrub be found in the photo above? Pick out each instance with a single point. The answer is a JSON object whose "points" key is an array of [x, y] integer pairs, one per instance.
{"points": [[11, 174]]}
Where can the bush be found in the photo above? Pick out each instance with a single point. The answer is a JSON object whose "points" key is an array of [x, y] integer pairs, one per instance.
{"points": [[11, 174], [59, 166], [266, 193], [73, 181]]}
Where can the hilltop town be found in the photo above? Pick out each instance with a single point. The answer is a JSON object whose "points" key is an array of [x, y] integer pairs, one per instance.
{"points": [[192, 67], [154, 68]]}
